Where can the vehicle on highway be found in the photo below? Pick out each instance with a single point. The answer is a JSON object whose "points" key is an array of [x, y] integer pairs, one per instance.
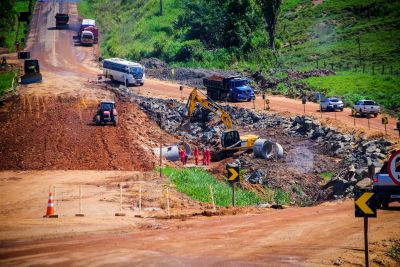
{"points": [[331, 104], [106, 113], [384, 187], [364, 107], [87, 38], [62, 20], [89, 25], [233, 88], [124, 71]]}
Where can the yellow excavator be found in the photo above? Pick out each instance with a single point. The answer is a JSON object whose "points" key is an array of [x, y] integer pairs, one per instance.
{"points": [[231, 140]]}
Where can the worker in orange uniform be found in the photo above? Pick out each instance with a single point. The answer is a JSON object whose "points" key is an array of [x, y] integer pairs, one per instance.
{"points": [[196, 155]]}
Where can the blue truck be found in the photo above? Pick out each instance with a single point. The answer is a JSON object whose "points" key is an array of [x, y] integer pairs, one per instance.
{"points": [[234, 89]]}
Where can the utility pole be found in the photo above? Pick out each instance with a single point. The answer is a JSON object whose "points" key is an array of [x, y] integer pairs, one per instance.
{"points": [[161, 7]]}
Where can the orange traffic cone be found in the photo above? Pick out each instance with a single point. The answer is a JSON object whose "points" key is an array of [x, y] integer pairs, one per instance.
{"points": [[50, 208]]}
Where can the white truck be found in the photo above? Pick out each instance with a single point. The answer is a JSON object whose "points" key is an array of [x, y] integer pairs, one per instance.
{"points": [[364, 107], [124, 71]]}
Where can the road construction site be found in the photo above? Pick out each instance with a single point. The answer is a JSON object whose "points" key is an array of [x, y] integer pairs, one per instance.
{"points": [[48, 139]]}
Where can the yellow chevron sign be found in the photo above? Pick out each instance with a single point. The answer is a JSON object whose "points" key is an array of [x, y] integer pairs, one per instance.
{"points": [[385, 120], [233, 174], [365, 205]]}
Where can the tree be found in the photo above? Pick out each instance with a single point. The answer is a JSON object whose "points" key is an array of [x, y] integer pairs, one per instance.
{"points": [[7, 19], [270, 10]]}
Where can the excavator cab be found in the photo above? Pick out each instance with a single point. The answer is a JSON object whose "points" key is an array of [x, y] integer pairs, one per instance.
{"points": [[230, 139]]}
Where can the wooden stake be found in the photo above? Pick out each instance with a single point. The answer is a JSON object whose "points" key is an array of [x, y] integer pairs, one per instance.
{"points": [[140, 200], [168, 213], [212, 198], [80, 214], [120, 213]]}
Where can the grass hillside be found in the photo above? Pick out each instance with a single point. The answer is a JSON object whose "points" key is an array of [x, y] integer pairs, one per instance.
{"points": [[359, 39]]}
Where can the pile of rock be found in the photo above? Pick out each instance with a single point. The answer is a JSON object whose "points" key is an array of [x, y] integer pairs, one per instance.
{"points": [[356, 152]]}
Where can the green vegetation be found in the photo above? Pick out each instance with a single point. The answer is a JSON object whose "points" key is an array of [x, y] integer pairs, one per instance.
{"points": [[394, 250], [9, 25], [6, 81], [195, 183], [355, 86], [281, 197], [327, 176], [231, 34]]}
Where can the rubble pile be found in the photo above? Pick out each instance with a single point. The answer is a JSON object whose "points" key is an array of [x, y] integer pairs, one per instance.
{"points": [[193, 77], [347, 155]]}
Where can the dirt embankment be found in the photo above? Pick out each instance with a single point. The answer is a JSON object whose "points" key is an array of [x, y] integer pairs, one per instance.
{"points": [[56, 132]]}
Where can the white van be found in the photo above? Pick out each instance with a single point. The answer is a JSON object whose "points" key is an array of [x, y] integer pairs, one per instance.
{"points": [[124, 71]]}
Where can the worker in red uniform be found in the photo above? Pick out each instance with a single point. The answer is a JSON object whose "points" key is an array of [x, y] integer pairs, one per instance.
{"points": [[196, 155], [207, 155], [204, 155], [182, 156]]}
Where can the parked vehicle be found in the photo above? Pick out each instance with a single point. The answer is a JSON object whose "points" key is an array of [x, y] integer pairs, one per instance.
{"points": [[87, 38], [385, 189], [62, 20], [107, 113], [93, 30], [32, 72], [331, 104], [124, 71], [228, 88], [367, 107]]}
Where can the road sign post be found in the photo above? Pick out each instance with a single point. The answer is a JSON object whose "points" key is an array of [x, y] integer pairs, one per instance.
{"points": [[354, 112], [233, 177], [181, 89], [368, 117], [365, 206], [304, 101], [394, 167], [263, 97], [385, 121]]}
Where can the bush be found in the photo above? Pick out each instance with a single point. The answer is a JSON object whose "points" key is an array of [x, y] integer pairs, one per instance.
{"points": [[171, 48], [192, 49]]}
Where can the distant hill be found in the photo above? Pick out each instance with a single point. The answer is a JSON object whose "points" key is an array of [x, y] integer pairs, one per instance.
{"points": [[347, 36]]}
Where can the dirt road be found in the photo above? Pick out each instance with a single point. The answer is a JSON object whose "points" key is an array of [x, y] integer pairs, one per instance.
{"points": [[47, 140], [297, 236]]}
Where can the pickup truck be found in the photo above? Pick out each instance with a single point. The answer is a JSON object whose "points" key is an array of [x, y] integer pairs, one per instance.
{"points": [[367, 107], [385, 189]]}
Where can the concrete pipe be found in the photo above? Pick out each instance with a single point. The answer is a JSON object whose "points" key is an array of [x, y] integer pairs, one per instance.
{"points": [[171, 153], [266, 149]]}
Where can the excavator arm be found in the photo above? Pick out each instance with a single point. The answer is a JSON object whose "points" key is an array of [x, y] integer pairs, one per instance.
{"points": [[195, 98]]}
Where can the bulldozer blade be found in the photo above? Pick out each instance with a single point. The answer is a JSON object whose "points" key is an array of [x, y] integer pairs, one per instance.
{"points": [[31, 78]]}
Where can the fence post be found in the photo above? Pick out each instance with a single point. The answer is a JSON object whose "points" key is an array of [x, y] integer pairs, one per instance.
{"points": [[363, 68]]}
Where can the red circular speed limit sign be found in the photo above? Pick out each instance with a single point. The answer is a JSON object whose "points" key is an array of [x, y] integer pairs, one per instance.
{"points": [[394, 167]]}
